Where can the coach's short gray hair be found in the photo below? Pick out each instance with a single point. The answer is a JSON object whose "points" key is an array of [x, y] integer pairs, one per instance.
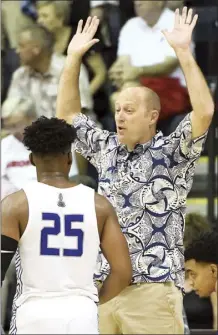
{"points": [[15, 105]]}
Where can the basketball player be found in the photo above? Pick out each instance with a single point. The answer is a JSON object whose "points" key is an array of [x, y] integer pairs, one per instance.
{"points": [[201, 263], [57, 227]]}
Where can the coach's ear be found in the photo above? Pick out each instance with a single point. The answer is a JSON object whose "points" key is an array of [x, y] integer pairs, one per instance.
{"points": [[70, 158], [31, 159]]}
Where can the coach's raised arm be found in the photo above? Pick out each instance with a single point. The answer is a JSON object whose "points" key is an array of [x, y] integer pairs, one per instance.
{"points": [[91, 140], [199, 93], [68, 101]]}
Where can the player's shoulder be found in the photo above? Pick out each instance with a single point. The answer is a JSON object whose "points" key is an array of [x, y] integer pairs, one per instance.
{"points": [[102, 205], [16, 201]]}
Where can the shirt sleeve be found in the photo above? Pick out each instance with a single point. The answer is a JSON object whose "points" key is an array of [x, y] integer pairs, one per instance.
{"points": [[180, 143], [92, 142]]}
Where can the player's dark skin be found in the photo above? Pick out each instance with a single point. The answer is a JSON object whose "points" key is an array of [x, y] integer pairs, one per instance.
{"points": [[53, 171]]}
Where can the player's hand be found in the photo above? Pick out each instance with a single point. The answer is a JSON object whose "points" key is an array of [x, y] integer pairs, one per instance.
{"points": [[83, 40], [181, 35]]}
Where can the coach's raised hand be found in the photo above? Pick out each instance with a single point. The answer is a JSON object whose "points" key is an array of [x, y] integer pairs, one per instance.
{"points": [[181, 35], [84, 39], [68, 101], [180, 40]]}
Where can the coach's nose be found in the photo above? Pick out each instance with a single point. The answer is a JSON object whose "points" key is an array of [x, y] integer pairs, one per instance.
{"points": [[120, 117]]}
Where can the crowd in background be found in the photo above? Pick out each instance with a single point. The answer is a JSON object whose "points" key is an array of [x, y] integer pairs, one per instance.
{"points": [[132, 52]]}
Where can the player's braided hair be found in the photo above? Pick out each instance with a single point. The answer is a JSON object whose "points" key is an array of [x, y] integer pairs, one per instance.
{"points": [[49, 136], [204, 248]]}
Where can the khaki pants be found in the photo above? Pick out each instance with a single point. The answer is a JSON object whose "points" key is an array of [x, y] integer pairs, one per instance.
{"points": [[148, 308]]}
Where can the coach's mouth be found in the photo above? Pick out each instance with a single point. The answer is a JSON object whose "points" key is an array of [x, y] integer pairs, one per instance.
{"points": [[120, 129]]}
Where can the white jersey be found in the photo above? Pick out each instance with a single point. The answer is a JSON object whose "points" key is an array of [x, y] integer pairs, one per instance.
{"points": [[58, 251]]}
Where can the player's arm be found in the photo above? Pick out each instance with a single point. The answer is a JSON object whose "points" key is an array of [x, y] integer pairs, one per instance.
{"points": [[200, 96], [115, 249], [10, 232], [68, 100]]}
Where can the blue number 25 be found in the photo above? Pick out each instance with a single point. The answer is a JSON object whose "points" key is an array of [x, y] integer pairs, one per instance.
{"points": [[68, 231]]}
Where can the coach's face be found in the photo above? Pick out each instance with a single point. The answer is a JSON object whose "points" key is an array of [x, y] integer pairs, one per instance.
{"points": [[202, 277], [133, 120]]}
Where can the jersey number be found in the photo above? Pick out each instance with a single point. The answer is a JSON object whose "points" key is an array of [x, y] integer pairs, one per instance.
{"points": [[68, 231]]}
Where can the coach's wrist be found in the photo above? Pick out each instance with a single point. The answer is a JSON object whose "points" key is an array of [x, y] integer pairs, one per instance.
{"points": [[72, 60]]}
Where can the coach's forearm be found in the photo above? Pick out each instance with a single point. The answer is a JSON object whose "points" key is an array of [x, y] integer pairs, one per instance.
{"points": [[200, 96], [68, 99], [113, 285]]}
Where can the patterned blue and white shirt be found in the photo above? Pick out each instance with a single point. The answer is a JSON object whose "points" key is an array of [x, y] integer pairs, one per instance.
{"points": [[148, 188]]}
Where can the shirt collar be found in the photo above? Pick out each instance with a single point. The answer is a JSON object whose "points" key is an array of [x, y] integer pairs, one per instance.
{"points": [[140, 148]]}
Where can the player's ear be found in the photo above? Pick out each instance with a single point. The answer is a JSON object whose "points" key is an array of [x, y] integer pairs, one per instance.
{"points": [[70, 158], [214, 270], [31, 159]]}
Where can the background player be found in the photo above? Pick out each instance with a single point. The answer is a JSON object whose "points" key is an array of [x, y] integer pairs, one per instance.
{"points": [[202, 267], [201, 261], [58, 227]]}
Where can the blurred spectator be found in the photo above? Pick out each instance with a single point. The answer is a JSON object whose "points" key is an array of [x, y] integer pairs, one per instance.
{"points": [[39, 74], [54, 15], [2, 58], [28, 8], [173, 4], [13, 21], [16, 169], [108, 13], [144, 55], [199, 311]]}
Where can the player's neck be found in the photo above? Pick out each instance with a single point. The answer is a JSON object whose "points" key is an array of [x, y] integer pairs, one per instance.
{"points": [[52, 177]]}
